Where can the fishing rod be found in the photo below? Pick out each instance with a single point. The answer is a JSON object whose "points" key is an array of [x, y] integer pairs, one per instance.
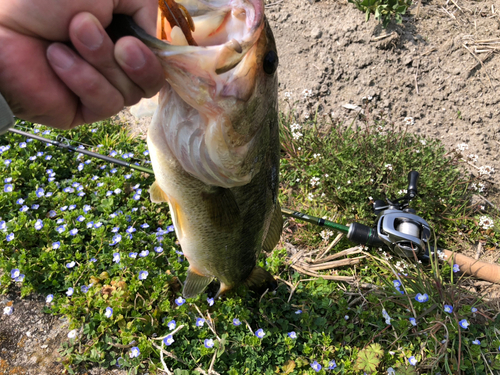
{"points": [[397, 226], [67, 146]]}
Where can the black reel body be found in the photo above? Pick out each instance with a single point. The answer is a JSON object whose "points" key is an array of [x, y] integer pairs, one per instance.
{"points": [[397, 227]]}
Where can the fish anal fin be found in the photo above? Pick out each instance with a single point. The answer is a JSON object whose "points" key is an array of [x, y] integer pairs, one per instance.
{"points": [[195, 283], [275, 228], [222, 207], [260, 280], [156, 194]]}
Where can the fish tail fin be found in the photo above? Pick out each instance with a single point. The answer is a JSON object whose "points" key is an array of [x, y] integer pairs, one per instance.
{"points": [[260, 280], [195, 284]]}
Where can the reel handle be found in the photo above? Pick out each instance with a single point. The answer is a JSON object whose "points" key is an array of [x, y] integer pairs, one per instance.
{"points": [[412, 184]]}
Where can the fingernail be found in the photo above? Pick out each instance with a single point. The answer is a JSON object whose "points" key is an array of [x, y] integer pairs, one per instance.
{"points": [[89, 34], [61, 56], [134, 57]]}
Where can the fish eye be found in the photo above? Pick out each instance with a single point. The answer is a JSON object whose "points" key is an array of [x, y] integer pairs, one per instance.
{"points": [[270, 62]]}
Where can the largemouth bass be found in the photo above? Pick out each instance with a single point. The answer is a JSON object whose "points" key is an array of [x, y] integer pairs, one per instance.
{"points": [[214, 142]]}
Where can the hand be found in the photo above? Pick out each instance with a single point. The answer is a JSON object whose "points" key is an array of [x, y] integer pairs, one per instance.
{"points": [[45, 81]]}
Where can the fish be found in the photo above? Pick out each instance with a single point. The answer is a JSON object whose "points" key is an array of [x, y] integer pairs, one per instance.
{"points": [[214, 140]]}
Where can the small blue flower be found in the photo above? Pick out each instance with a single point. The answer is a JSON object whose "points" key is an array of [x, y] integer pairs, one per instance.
{"points": [[146, 153], [64, 208], [421, 297], [86, 208], [35, 206], [7, 180], [180, 301], [24, 208], [200, 322], [170, 228], [113, 153], [52, 214], [171, 325], [169, 340], [210, 301], [22, 144], [413, 361], [159, 249], [143, 275], [397, 283], [119, 360], [90, 224], [144, 253], [40, 192], [93, 260], [8, 188], [116, 238], [464, 323], [7, 163], [260, 333], [476, 342], [145, 225], [114, 170], [48, 194], [73, 231], [70, 264], [72, 207], [292, 335], [98, 225], [298, 312], [20, 201], [69, 292], [116, 259], [236, 322], [448, 309], [15, 273], [115, 229], [39, 224], [49, 298], [134, 352], [9, 237], [48, 157], [316, 366], [109, 312], [3, 225], [473, 309], [135, 197], [61, 228], [331, 365], [456, 268], [413, 321], [127, 176], [132, 255], [56, 245], [84, 288], [80, 218], [20, 278], [209, 343]]}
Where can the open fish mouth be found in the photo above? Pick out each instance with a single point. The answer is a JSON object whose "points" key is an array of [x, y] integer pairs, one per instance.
{"points": [[218, 91]]}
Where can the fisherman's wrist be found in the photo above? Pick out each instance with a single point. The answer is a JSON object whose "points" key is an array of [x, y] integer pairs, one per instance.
{"points": [[6, 116]]}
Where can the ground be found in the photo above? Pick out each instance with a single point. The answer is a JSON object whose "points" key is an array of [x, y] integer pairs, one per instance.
{"points": [[432, 68]]}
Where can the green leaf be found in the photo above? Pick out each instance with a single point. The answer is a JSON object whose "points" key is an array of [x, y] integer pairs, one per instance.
{"points": [[367, 361]]}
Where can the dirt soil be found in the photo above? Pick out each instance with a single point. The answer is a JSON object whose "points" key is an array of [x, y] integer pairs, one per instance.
{"points": [[441, 67]]}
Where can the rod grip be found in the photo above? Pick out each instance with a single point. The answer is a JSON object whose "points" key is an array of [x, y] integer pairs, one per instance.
{"points": [[412, 184]]}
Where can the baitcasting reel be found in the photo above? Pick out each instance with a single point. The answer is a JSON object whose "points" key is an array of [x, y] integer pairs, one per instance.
{"points": [[397, 227]]}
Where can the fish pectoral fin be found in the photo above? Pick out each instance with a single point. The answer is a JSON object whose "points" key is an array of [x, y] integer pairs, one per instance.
{"points": [[195, 283], [222, 208], [275, 228], [260, 280], [156, 194]]}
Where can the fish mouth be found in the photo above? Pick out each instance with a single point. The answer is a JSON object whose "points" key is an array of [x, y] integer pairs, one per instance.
{"points": [[204, 107]]}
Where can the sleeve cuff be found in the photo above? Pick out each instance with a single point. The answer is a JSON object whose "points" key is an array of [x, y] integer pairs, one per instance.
{"points": [[6, 116]]}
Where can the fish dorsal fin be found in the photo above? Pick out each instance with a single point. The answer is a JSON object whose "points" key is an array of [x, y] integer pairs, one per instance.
{"points": [[274, 231], [195, 283], [260, 280], [157, 195], [222, 207]]}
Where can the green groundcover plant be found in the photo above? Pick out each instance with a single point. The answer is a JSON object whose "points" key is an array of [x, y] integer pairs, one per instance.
{"points": [[84, 234]]}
